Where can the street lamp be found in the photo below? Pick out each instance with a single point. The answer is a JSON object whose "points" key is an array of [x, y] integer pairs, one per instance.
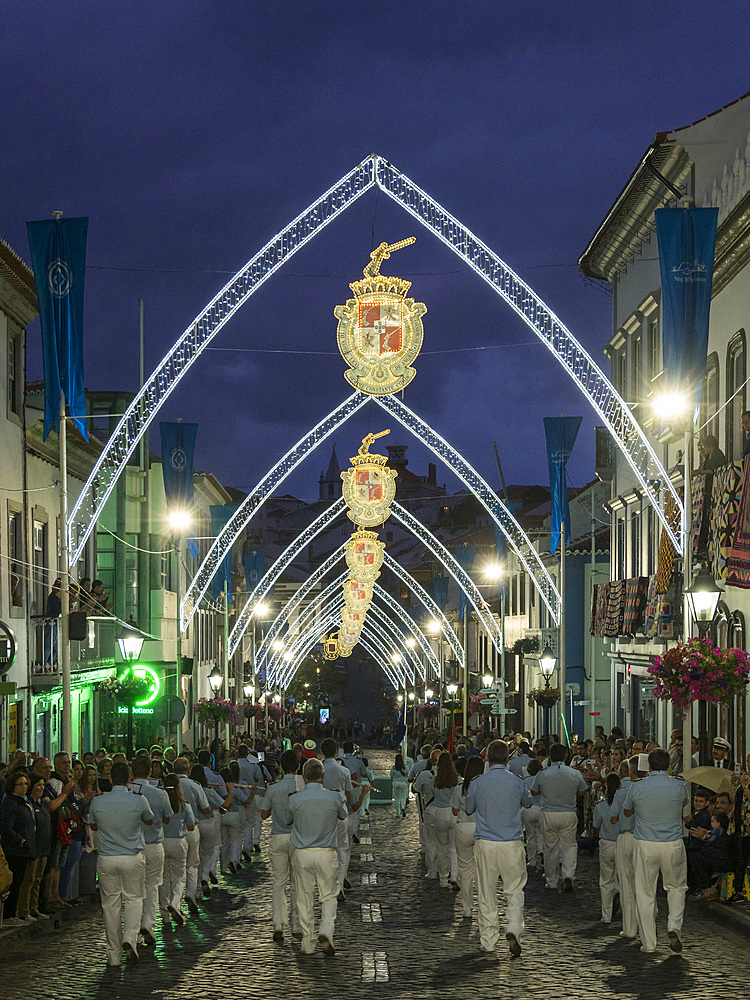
{"points": [[703, 597], [179, 520], [429, 693], [131, 644], [433, 626], [672, 406], [487, 679], [410, 642], [260, 610], [215, 680], [547, 662]]}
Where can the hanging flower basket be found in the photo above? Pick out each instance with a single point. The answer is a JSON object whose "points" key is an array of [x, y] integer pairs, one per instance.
{"points": [[428, 712], [476, 706], [128, 691], [697, 670], [546, 697], [213, 711], [275, 711]]}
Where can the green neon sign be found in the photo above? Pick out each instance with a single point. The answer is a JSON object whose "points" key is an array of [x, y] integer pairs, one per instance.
{"points": [[148, 674]]}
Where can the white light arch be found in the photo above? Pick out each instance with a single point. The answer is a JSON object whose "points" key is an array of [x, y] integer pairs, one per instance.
{"points": [[374, 170]]}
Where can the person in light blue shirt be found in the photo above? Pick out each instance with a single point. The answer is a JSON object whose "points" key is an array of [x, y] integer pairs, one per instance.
{"points": [[118, 818], [531, 819], [153, 852], [316, 815], [209, 828], [276, 804], [446, 803], [400, 785], [660, 805], [625, 848], [214, 780], [520, 760], [352, 762], [233, 820], [558, 788], [338, 778], [607, 834], [251, 773], [176, 834], [195, 797], [495, 800]]}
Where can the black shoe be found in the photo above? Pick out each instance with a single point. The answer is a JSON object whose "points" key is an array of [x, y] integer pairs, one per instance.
{"points": [[674, 941], [130, 953], [616, 904], [178, 917], [568, 885], [278, 935], [232, 868], [256, 848], [454, 885], [247, 856], [347, 884], [206, 889], [326, 945], [213, 879], [297, 935], [341, 897], [355, 840], [192, 905], [513, 944], [148, 937]]}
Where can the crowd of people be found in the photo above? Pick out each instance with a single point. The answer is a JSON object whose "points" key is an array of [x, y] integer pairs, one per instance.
{"points": [[164, 827]]}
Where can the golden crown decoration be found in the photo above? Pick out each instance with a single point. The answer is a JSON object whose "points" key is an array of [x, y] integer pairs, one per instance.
{"points": [[369, 487], [380, 331], [364, 554], [331, 646]]}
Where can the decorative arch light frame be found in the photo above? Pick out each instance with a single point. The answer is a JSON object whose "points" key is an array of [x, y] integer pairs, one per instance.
{"points": [[373, 171]]}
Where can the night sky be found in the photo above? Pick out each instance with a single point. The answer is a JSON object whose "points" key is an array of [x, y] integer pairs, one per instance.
{"points": [[190, 133]]}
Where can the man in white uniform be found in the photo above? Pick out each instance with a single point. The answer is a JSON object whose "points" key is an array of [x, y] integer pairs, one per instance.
{"points": [[559, 787]]}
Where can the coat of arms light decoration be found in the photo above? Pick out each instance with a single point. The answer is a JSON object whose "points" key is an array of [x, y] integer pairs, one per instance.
{"points": [[380, 330]]}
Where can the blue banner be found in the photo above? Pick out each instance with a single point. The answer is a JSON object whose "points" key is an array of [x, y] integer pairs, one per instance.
{"points": [[687, 245], [58, 258], [255, 566], [440, 586], [464, 556], [220, 514], [561, 433], [177, 454]]}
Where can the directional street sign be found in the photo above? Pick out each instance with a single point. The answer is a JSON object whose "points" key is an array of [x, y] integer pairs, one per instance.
{"points": [[582, 702]]}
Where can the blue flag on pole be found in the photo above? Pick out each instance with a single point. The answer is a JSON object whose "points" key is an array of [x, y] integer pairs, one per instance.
{"points": [[464, 555], [401, 724], [561, 433], [440, 591], [58, 257], [687, 246], [220, 514], [255, 565], [177, 455]]}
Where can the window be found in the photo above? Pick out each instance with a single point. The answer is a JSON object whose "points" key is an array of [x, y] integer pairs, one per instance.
{"points": [[654, 347], [635, 543], [651, 542], [39, 563], [736, 376], [15, 554], [622, 366], [620, 554], [15, 373], [710, 397], [635, 382], [522, 594]]}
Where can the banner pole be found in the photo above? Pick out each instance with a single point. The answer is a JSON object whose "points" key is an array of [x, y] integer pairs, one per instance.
{"points": [[563, 679], [64, 643]]}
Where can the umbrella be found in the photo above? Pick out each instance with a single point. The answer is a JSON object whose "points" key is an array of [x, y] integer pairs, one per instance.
{"points": [[716, 778]]}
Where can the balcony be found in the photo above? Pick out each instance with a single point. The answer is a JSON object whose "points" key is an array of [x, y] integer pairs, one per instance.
{"points": [[90, 659]]}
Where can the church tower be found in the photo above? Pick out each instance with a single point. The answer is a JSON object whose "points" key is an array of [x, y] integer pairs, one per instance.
{"points": [[330, 483]]}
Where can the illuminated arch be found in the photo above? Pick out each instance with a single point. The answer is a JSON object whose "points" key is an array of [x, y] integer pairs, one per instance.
{"points": [[374, 170]]}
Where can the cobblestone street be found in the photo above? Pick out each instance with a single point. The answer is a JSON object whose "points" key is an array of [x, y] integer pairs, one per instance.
{"points": [[397, 935]]}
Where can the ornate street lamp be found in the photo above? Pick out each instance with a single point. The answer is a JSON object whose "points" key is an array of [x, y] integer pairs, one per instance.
{"points": [[547, 662], [703, 597]]}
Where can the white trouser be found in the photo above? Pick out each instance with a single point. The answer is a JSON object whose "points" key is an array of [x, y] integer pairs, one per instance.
{"points": [[316, 865], [354, 818], [504, 859], [400, 795], [430, 844], [652, 857], [250, 815], [173, 885], [531, 819], [281, 857], [625, 862], [608, 885], [154, 855], [422, 834], [210, 829], [258, 819], [466, 869], [231, 839], [559, 835], [193, 861], [445, 843], [122, 886], [343, 851]]}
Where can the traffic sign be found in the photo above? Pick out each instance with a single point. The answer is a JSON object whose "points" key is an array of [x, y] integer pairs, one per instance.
{"points": [[503, 711], [582, 702], [7, 688]]}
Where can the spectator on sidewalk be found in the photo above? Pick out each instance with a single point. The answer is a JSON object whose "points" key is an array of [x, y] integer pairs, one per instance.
{"points": [[17, 834]]}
